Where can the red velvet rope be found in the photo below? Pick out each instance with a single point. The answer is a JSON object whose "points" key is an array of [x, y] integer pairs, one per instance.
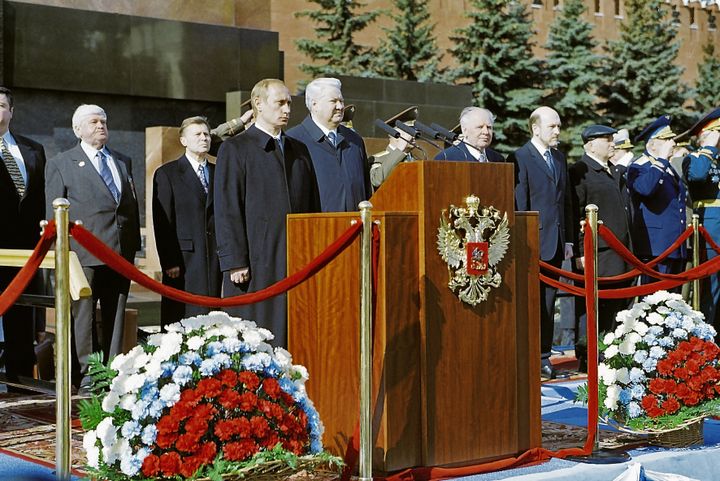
{"points": [[116, 262], [626, 275], [21, 280], [709, 239]]}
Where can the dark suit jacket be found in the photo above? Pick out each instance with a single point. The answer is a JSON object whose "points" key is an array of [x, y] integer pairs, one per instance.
{"points": [[256, 187], [536, 190], [21, 216], [460, 152], [184, 227], [71, 175], [342, 172], [592, 184]]}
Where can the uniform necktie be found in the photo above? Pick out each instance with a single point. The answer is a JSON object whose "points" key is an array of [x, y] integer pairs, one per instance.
{"points": [[107, 177], [332, 137], [202, 176], [13, 169], [550, 164]]}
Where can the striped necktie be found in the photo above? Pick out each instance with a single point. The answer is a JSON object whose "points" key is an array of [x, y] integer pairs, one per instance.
{"points": [[13, 169], [332, 137], [551, 165], [202, 176], [107, 177]]}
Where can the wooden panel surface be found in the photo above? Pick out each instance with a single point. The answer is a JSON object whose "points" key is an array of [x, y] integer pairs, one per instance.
{"points": [[324, 327]]}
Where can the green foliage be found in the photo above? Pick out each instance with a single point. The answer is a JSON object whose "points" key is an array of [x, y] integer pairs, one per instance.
{"points": [[334, 48], [91, 413], [495, 56], [573, 73], [409, 50], [642, 80], [101, 374], [707, 88]]}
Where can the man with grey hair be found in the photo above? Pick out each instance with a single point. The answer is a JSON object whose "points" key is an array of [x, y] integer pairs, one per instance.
{"points": [[98, 183], [338, 153], [477, 134]]}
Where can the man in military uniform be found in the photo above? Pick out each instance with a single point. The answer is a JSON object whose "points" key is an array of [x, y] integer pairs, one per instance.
{"points": [[623, 154], [703, 178], [658, 197], [399, 149]]}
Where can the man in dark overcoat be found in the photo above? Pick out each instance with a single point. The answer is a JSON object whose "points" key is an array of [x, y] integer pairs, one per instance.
{"points": [[98, 183], [22, 197], [183, 222], [337, 152], [541, 185], [477, 135], [595, 180], [262, 175]]}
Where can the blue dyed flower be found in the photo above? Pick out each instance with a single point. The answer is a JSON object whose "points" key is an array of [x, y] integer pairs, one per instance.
{"points": [[222, 360], [209, 367], [214, 348], [650, 364], [679, 333], [131, 429], [657, 352], [182, 375], [168, 368], [639, 357], [149, 433], [625, 396], [667, 341], [634, 410], [637, 391], [190, 358]]}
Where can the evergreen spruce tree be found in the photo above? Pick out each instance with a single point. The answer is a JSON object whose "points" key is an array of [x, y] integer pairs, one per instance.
{"points": [[495, 56], [409, 50], [573, 71], [335, 49], [707, 89], [642, 80]]}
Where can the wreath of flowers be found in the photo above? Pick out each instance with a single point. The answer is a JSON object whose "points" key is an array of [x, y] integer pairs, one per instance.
{"points": [[208, 397], [660, 366]]}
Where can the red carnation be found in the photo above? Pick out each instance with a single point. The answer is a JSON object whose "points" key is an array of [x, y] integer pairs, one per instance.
{"points": [[270, 441], [239, 451], [693, 366], [271, 387], [664, 367], [187, 443], [189, 465], [683, 391], [224, 430], [681, 373], [671, 405], [288, 399], [207, 452], [230, 399], [649, 401], [248, 401], [165, 440], [170, 464], [696, 343], [209, 388], [249, 379], [151, 466], [167, 424], [190, 397], [204, 412], [695, 383], [692, 399], [228, 377], [260, 426], [196, 427], [181, 411], [657, 385]]}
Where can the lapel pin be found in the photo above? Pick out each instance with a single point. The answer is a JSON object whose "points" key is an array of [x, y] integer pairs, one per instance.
{"points": [[81, 164]]}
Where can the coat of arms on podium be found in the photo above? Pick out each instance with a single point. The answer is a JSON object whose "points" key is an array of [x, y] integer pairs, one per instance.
{"points": [[472, 240]]}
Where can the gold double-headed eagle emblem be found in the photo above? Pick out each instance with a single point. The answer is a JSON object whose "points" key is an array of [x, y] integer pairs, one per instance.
{"points": [[472, 240]]}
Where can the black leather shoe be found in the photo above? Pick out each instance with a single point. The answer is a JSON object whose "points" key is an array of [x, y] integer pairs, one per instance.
{"points": [[547, 372]]}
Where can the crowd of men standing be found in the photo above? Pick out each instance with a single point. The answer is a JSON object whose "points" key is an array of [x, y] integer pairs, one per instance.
{"points": [[220, 228]]}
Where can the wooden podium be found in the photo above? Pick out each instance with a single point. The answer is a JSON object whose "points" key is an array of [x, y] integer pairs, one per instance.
{"points": [[453, 384]]}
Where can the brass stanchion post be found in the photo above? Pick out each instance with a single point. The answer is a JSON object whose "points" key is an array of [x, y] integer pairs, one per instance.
{"points": [[62, 343], [696, 260], [365, 463]]}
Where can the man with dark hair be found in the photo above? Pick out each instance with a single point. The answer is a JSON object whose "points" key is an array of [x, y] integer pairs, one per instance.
{"points": [[98, 183], [261, 176], [22, 197], [541, 184], [183, 222], [337, 152]]}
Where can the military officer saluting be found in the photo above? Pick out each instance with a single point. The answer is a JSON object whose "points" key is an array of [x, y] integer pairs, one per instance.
{"points": [[702, 172], [399, 149], [658, 198]]}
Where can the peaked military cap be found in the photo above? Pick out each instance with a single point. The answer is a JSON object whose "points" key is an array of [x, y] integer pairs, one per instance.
{"points": [[658, 129], [407, 116], [622, 139], [595, 131], [457, 129], [348, 113], [711, 121]]}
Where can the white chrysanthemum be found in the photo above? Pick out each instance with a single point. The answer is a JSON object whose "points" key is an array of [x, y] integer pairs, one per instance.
{"points": [[611, 351], [266, 334], [627, 347], [170, 393], [619, 331], [175, 327], [92, 452], [106, 432], [252, 338], [655, 318], [153, 369], [140, 360], [170, 346], [195, 343], [641, 328], [613, 393], [127, 401], [607, 374], [300, 372], [283, 358], [156, 339], [110, 401], [623, 375]]}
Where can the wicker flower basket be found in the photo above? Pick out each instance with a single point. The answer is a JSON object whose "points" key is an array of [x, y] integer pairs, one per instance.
{"points": [[688, 434], [307, 468]]}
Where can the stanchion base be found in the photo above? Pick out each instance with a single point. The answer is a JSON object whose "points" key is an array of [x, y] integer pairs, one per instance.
{"points": [[602, 456]]}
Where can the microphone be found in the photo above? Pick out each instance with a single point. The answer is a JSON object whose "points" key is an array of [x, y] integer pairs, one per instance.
{"points": [[407, 129], [386, 128], [432, 134], [449, 136]]}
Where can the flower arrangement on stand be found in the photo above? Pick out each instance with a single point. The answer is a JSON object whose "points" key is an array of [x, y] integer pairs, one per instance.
{"points": [[659, 369], [209, 398]]}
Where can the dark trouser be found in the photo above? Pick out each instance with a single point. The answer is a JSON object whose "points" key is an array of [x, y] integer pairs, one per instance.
{"points": [[711, 294], [547, 308], [668, 266], [18, 328], [111, 290]]}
